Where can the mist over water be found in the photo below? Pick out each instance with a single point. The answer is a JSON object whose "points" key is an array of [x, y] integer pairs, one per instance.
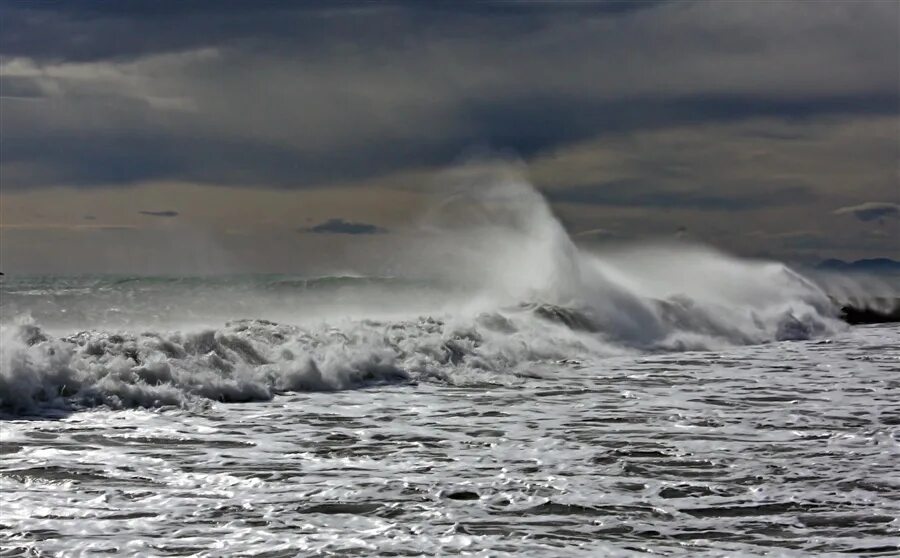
{"points": [[489, 279], [496, 389]]}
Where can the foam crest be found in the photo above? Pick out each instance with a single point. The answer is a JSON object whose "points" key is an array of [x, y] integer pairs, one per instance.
{"points": [[492, 290], [496, 233], [256, 359]]}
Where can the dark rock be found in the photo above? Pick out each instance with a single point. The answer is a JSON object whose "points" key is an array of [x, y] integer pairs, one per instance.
{"points": [[881, 311]]}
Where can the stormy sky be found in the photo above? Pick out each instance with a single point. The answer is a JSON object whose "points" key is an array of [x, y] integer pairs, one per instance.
{"points": [[211, 136]]}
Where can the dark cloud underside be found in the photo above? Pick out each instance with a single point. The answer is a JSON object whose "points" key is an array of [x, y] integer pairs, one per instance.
{"points": [[526, 127], [872, 211], [339, 226], [90, 30], [165, 213], [277, 94], [629, 193]]}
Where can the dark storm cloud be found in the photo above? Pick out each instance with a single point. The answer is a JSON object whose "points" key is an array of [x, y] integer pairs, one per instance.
{"points": [[533, 125], [339, 226], [166, 213], [95, 30], [304, 94], [110, 158], [527, 127], [635, 193], [871, 211], [22, 88]]}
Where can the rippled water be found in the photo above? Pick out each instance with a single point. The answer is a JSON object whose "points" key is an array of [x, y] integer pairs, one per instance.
{"points": [[787, 448], [501, 391]]}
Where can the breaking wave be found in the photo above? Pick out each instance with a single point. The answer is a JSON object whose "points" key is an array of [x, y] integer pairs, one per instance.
{"points": [[510, 295]]}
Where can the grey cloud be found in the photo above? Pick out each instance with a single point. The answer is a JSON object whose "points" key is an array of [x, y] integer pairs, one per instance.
{"points": [[297, 95], [48, 30], [166, 213], [113, 158], [339, 226], [636, 193], [21, 88], [871, 211], [120, 157], [116, 228], [803, 240]]}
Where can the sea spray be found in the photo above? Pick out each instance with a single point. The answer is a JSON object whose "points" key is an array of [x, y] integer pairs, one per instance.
{"points": [[491, 290]]}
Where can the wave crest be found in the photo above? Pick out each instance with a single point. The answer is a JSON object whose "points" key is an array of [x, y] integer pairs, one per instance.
{"points": [[504, 246], [254, 360]]}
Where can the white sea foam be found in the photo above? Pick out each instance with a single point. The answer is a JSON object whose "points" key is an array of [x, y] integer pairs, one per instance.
{"points": [[524, 399], [492, 289]]}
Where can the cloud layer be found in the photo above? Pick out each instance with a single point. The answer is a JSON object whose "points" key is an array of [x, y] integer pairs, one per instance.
{"points": [[166, 213], [743, 124], [339, 226], [283, 95], [871, 211]]}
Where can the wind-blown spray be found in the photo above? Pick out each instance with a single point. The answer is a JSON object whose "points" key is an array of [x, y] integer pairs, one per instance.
{"points": [[491, 289]]}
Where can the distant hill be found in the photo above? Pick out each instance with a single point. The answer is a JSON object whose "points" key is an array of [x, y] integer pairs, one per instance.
{"points": [[874, 265]]}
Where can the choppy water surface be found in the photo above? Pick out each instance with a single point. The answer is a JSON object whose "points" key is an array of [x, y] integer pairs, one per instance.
{"points": [[789, 448], [499, 391]]}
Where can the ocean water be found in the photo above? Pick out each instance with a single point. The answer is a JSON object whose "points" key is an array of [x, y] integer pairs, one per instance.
{"points": [[498, 391]]}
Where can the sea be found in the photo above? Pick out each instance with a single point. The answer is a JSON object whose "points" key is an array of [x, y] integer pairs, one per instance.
{"points": [[500, 391]]}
